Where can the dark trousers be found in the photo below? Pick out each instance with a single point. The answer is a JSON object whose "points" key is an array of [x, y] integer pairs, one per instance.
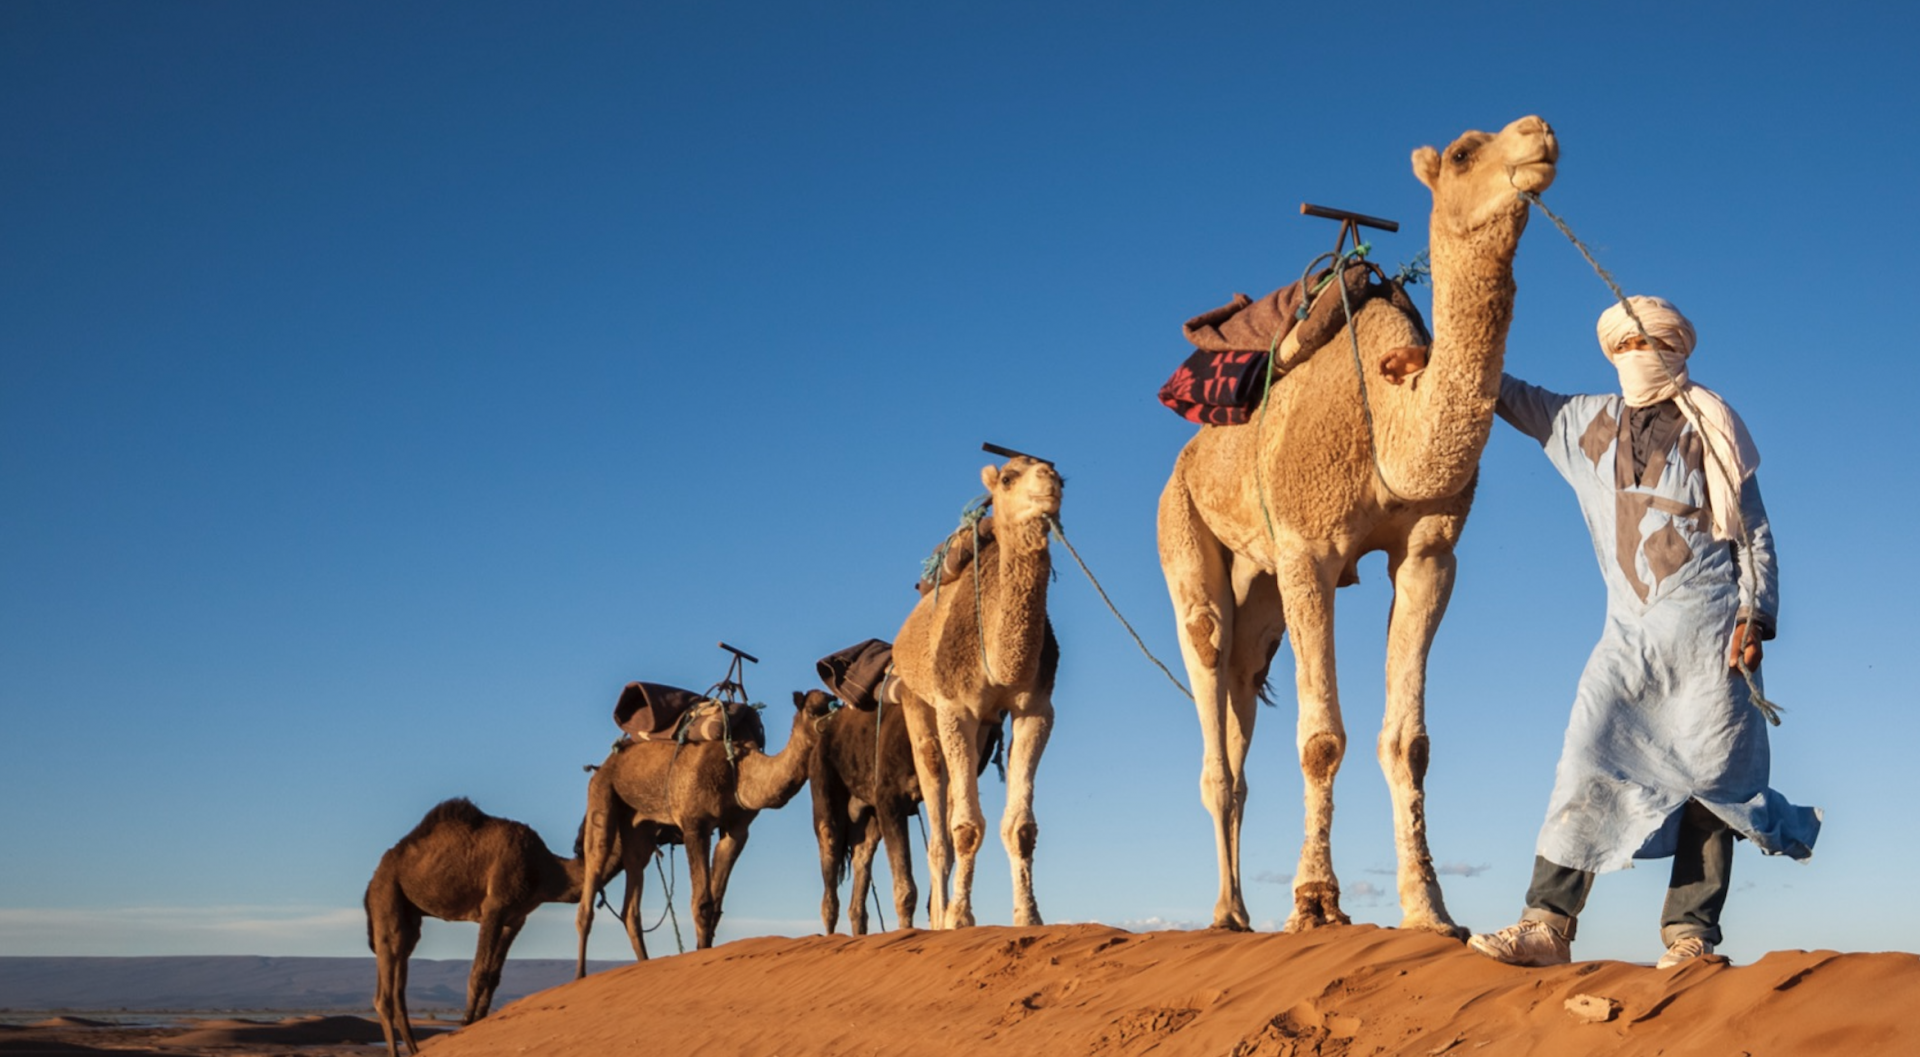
{"points": [[1702, 874]]}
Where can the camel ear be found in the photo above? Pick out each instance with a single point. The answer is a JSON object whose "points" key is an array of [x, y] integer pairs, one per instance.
{"points": [[990, 476], [1426, 166], [799, 699]]}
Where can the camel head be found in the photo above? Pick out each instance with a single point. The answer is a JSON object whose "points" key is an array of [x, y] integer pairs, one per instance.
{"points": [[1026, 494], [1477, 180], [813, 704]]}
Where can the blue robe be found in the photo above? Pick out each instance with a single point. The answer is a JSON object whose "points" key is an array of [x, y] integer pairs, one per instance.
{"points": [[1659, 717]]}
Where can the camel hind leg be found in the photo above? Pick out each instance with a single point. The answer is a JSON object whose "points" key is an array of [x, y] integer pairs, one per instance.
{"points": [[930, 767], [1307, 577], [393, 927], [598, 846], [830, 824], [1195, 565]]}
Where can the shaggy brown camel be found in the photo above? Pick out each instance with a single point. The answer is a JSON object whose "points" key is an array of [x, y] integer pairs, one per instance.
{"points": [[857, 805], [459, 864], [1260, 522], [649, 793], [972, 659]]}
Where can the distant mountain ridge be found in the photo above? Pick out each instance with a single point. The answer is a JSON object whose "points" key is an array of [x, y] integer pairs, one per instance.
{"points": [[219, 983]]}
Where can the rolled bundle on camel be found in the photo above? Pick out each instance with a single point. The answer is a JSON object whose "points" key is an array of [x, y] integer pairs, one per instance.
{"points": [[1261, 521]]}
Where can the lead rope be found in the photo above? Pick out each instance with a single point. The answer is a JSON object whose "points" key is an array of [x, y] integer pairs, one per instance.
{"points": [[1767, 708], [1061, 535]]}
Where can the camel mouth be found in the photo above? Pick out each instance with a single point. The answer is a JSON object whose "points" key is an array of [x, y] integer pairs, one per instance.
{"points": [[1533, 176]]}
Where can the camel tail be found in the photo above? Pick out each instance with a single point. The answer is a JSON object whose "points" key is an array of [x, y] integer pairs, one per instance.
{"points": [[366, 905]]}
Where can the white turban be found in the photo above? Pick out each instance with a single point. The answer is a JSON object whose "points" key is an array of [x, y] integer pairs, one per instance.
{"points": [[1649, 376]]}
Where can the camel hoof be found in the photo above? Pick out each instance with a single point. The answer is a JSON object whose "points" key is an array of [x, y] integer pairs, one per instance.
{"points": [[1229, 924], [1306, 919], [1436, 926]]}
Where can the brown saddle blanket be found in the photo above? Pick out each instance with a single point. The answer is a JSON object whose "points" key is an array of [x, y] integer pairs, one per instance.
{"points": [[1224, 379], [655, 711], [861, 675]]}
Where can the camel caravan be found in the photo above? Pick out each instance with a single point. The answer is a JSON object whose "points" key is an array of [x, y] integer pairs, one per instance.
{"points": [[1298, 470]]}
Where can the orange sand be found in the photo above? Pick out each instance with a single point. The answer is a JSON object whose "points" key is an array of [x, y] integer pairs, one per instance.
{"points": [[1095, 990]]}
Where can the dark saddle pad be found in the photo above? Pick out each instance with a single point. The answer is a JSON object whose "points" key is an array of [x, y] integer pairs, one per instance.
{"points": [[858, 674], [656, 711]]}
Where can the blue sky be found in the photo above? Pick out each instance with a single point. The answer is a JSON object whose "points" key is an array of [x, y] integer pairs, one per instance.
{"points": [[386, 385]]}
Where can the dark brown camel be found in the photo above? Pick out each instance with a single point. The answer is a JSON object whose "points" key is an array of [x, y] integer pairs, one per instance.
{"points": [[856, 806], [653, 792], [459, 864]]}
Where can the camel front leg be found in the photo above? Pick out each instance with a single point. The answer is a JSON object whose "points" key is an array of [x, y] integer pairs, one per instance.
{"points": [[1422, 585], [638, 846], [1019, 832], [892, 822], [699, 845], [489, 961], [867, 838], [959, 738], [396, 930], [930, 767], [1195, 566], [726, 854], [1307, 577]]}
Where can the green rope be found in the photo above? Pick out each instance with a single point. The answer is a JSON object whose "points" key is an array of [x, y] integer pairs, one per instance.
{"points": [[1061, 534], [1767, 708]]}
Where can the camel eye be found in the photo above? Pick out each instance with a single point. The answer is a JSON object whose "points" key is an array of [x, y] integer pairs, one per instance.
{"points": [[1460, 156], [1008, 478]]}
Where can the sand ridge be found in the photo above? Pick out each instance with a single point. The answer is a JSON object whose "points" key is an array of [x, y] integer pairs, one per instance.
{"points": [[1105, 992]]}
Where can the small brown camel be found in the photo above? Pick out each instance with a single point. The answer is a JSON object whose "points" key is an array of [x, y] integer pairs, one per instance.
{"points": [[1260, 522], [857, 805], [459, 864], [649, 793], [970, 659]]}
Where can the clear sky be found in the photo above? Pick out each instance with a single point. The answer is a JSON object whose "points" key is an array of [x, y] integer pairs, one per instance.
{"points": [[382, 386]]}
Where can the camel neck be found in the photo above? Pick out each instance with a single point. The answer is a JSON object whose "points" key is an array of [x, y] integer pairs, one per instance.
{"points": [[1473, 292], [770, 781], [1014, 611]]}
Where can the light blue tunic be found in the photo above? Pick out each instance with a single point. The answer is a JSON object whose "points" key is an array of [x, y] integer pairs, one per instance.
{"points": [[1659, 717]]}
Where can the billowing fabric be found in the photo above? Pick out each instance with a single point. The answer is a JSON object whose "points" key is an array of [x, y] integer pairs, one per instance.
{"points": [[1658, 718]]}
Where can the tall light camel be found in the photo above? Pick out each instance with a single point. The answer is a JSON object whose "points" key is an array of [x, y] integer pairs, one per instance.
{"points": [[1333, 493], [649, 793], [967, 659], [459, 864]]}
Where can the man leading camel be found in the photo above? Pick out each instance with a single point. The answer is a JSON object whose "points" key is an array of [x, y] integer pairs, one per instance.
{"points": [[1666, 752]]}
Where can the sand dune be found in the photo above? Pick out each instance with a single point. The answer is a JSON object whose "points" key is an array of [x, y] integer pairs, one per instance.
{"points": [[1103, 992]]}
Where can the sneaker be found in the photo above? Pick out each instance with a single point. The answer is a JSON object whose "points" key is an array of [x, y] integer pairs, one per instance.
{"points": [[1533, 943], [1684, 950]]}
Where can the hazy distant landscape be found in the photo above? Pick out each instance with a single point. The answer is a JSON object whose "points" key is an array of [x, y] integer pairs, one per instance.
{"points": [[236, 984]]}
